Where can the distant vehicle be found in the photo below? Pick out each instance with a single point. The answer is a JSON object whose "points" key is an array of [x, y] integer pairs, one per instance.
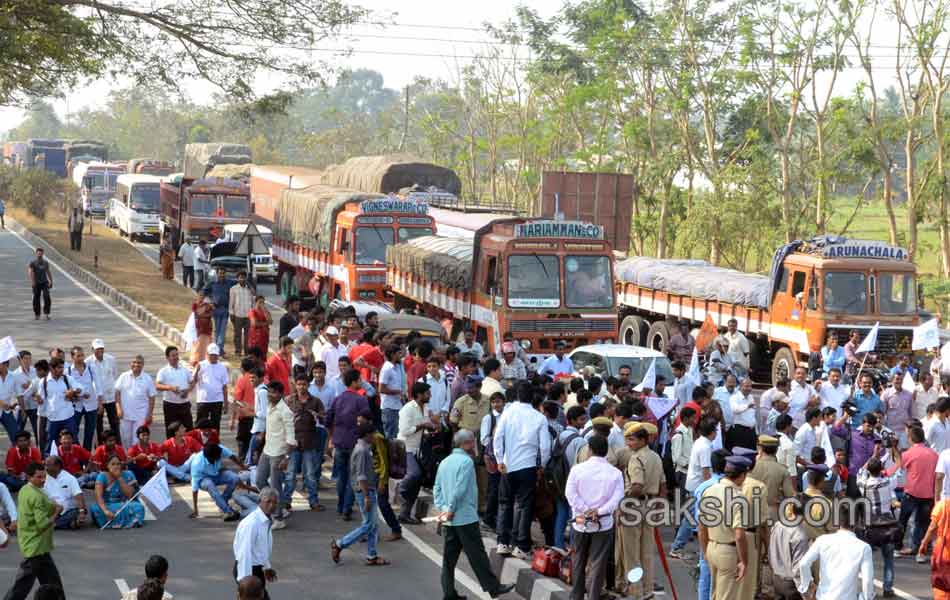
{"points": [[360, 307], [606, 359], [97, 184], [401, 324], [264, 264], [134, 209]]}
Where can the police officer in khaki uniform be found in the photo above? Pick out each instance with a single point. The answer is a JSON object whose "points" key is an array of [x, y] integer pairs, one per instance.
{"points": [[644, 480], [601, 426], [757, 532], [722, 534], [774, 475], [819, 507]]}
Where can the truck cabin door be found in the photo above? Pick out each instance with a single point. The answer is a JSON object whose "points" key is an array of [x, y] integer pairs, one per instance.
{"points": [[490, 278], [343, 242]]}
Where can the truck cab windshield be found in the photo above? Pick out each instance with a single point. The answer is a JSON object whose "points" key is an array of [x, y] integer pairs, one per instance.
{"points": [[371, 244], [411, 233], [588, 282], [845, 293], [236, 206], [145, 197], [534, 281], [898, 293], [203, 205]]}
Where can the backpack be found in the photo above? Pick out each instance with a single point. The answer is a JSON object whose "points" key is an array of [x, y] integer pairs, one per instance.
{"points": [[396, 449], [558, 467], [46, 392]]}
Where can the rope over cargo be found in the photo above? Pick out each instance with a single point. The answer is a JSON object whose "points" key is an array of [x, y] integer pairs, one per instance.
{"points": [[443, 260], [390, 174]]}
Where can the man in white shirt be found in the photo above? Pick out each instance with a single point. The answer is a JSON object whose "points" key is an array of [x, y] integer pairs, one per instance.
{"points": [[413, 421], [135, 395], [439, 403], [470, 346], [742, 403], [212, 379], [202, 264], [240, 303], [278, 444], [942, 479], [253, 541], [846, 569], [806, 437], [683, 384], [492, 382], [937, 431], [58, 397], [186, 252], [925, 395], [833, 393], [105, 371], [392, 388], [332, 351], [175, 382], [63, 489], [779, 390], [81, 377], [11, 394], [723, 396], [559, 363], [801, 397], [521, 441], [26, 376], [786, 455], [739, 347]]}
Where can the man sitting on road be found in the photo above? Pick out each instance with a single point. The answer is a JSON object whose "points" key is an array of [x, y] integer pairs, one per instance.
{"points": [[63, 489], [207, 475]]}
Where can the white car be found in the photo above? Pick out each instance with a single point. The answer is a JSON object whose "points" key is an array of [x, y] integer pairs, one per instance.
{"points": [[265, 267], [606, 359]]}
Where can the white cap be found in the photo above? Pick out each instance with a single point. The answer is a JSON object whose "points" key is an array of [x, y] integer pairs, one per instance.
{"points": [[331, 330], [213, 349], [98, 344]]}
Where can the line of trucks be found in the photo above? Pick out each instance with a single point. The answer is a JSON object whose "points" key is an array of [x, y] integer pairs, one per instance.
{"points": [[392, 229]]}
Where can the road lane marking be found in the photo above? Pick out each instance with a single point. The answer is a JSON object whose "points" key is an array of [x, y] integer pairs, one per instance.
{"points": [[158, 344]]}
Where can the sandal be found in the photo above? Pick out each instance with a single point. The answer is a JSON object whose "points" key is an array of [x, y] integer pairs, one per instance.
{"points": [[376, 561], [335, 552]]}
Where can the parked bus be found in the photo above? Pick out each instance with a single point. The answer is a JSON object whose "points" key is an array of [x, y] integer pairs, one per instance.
{"points": [[135, 207]]}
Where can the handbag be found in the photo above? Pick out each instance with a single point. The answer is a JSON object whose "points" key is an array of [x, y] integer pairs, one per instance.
{"points": [[567, 567], [547, 562], [883, 529]]}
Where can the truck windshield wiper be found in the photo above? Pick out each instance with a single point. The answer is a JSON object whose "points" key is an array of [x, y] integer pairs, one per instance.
{"points": [[543, 267], [381, 241]]}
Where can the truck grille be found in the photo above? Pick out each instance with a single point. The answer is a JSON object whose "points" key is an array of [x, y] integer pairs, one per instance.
{"points": [[559, 325], [889, 341]]}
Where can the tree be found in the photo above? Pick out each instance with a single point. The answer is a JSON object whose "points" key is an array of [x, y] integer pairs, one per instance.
{"points": [[41, 122], [48, 46]]}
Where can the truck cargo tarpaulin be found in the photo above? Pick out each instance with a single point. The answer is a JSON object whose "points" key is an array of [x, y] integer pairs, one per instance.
{"points": [[200, 158], [307, 216], [696, 278], [434, 258], [391, 173]]}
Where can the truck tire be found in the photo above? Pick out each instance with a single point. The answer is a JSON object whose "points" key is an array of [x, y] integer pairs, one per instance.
{"points": [[658, 337], [632, 329], [783, 364]]}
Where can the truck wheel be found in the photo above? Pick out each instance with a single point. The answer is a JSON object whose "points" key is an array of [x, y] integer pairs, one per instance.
{"points": [[658, 337], [631, 330], [783, 364]]}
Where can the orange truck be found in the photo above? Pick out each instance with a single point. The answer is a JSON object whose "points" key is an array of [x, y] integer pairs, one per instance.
{"points": [[817, 288], [541, 280], [330, 242]]}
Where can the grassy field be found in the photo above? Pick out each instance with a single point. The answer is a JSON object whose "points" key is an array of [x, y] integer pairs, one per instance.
{"points": [[119, 264]]}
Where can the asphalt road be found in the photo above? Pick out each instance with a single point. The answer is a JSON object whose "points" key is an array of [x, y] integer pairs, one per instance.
{"points": [[97, 565]]}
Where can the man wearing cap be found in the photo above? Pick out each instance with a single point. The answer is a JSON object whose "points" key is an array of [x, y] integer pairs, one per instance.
{"points": [[818, 506], [212, 388], [135, 396], [104, 371], [558, 363], [512, 367], [756, 530], [332, 351], [724, 541], [644, 480], [774, 476]]}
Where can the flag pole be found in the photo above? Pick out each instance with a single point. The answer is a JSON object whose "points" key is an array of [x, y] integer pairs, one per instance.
{"points": [[127, 502]]}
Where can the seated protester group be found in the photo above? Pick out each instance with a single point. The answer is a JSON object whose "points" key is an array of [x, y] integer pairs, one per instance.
{"points": [[177, 449], [144, 456]]}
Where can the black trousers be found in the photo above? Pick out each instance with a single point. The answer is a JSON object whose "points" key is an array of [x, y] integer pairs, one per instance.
{"points": [[188, 276], [178, 412], [465, 538], [785, 589], [211, 410], [112, 414], [595, 549], [516, 508], [75, 240], [35, 568], [491, 503], [256, 571], [41, 289], [920, 508]]}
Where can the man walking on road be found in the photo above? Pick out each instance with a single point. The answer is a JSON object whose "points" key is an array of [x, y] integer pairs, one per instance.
{"points": [[212, 377], [456, 496], [41, 280], [253, 542], [202, 262], [240, 303], [37, 515], [186, 252]]}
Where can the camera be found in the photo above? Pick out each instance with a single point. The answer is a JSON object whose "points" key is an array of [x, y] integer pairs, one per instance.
{"points": [[888, 439], [850, 407]]}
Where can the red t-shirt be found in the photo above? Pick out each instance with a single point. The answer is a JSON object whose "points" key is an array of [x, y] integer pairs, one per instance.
{"points": [[204, 435], [372, 356], [244, 393], [17, 462], [278, 370], [74, 459], [101, 455], [177, 455], [416, 371], [140, 455]]}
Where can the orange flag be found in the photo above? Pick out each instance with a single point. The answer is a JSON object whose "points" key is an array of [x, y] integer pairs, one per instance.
{"points": [[707, 333]]}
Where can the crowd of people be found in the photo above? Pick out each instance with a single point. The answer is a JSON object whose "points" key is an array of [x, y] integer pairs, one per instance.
{"points": [[503, 443]]}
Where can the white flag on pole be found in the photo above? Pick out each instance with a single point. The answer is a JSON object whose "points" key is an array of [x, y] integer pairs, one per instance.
{"points": [[157, 492], [908, 384], [190, 334], [53, 449], [649, 378], [8, 349], [693, 372], [869, 343], [926, 335]]}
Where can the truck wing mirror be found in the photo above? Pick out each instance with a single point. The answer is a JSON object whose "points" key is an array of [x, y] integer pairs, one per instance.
{"points": [[920, 295]]}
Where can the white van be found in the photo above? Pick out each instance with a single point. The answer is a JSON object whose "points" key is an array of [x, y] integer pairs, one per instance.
{"points": [[136, 206], [264, 264]]}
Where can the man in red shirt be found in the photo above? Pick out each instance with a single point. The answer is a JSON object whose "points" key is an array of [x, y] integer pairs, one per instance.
{"points": [[367, 358], [920, 465], [177, 449], [204, 432], [144, 456], [19, 458], [109, 448], [77, 461], [420, 356], [278, 365]]}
